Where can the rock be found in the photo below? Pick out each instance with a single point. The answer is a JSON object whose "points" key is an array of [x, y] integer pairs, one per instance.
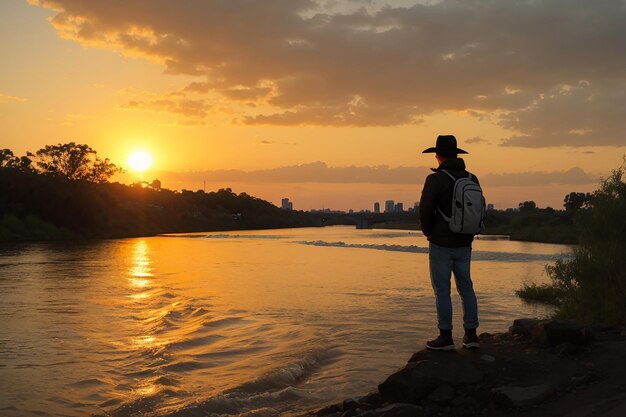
{"points": [[521, 396], [418, 379], [371, 400], [400, 410], [459, 401], [554, 332], [443, 394], [523, 327], [566, 349], [421, 355], [331, 409], [487, 358], [349, 404]]}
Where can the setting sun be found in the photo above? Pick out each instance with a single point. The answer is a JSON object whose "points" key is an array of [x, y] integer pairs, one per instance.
{"points": [[139, 161]]}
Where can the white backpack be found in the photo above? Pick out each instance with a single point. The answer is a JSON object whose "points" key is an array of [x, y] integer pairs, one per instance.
{"points": [[468, 206]]}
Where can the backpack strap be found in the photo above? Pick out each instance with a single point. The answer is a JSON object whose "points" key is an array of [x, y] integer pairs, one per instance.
{"points": [[448, 174], [446, 218], [469, 175]]}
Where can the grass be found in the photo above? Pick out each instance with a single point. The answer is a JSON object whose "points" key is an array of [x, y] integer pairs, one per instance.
{"points": [[544, 293]]}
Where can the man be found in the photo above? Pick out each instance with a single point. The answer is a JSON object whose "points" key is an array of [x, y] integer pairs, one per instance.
{"points": [[448, 252]]}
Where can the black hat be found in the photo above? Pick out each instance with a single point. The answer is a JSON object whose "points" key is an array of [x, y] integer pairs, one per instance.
{"points": [[446, 146]]}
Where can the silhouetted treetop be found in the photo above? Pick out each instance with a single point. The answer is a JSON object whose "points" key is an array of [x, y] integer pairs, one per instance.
{"points": [[574, 201], [75, 162], [527, 206], [9, 160]]}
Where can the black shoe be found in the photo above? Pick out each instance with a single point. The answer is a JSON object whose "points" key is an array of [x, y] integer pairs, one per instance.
{"points": [[470, 341], [441, 343]]}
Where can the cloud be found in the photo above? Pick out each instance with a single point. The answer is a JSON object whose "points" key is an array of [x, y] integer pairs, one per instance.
{"points": [[476, 139], [193, 111], [5, 98], [197, 87], [315, 172], [573, 176], [578, 115], [320, 172], [363, 63]]}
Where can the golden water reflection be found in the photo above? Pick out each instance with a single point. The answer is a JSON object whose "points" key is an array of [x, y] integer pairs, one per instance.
{"points": [[140, 272], [141, 281]]}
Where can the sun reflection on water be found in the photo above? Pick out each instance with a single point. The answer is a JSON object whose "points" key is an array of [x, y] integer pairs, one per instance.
{"points": [[140, 271], [141, 282]]}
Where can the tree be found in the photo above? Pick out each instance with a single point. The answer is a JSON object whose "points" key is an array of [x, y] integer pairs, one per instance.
{"points": [[527, 206], [75, 162], [591, 285], [9, 160], [575, 201]]}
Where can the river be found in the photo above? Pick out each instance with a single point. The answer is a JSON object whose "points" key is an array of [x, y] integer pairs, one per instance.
{"points": [[254, 323]]}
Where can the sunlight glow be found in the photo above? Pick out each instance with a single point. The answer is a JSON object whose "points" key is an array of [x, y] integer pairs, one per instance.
{"points": [[139, 161]]}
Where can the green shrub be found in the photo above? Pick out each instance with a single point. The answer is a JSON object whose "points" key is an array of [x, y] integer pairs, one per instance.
{"points": [[591, 286], [543, 293]]}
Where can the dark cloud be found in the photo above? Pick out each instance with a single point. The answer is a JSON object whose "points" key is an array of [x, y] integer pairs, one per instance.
{"points": [[315, 172], [193, 111], [197, 87], [320, 172], [324, 63], [579, 115]]}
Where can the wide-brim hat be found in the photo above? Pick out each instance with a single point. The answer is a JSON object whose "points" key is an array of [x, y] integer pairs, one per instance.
{"points": [[446, 146]]}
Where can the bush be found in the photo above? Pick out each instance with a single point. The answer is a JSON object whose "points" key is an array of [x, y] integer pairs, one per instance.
{"points": [[544, 293], [591, 286]]}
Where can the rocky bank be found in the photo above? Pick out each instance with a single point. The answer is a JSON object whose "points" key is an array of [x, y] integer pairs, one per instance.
{"points": [[537, 368]]}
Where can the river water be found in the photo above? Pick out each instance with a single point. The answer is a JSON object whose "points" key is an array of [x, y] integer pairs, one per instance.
{"points": [[257, 323]]}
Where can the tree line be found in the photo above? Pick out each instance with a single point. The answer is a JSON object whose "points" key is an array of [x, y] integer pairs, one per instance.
{"points": [[63, 191]]}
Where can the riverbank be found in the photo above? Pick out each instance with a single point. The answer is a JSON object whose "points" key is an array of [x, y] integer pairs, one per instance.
{"points": [[537, 368]]}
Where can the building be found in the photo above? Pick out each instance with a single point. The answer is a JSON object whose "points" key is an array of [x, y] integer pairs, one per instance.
{"points": [[285, 204], [390, 206], [376, 207], [490, 207], [399, 208]]}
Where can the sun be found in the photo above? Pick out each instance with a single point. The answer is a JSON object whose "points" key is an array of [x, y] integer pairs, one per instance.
{"points": [[139, 161]]}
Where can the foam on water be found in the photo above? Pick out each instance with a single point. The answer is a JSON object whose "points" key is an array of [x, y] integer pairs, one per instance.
{"points": [[476, 255], [225, 236]]}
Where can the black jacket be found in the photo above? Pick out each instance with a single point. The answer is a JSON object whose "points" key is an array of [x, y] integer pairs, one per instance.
{"points": [[437, 193]]}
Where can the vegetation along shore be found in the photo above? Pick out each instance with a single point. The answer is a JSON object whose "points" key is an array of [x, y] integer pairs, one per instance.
{"points": [[64, 192]]}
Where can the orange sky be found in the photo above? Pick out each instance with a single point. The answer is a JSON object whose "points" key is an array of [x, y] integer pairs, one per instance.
{"points": [[289, 94]]}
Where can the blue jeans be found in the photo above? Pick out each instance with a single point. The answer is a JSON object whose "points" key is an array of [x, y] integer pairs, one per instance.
{"points": [[443, 262]]}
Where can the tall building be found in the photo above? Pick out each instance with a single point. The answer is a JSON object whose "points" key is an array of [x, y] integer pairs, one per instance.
{"points": [[377, 207], [285, 204], [490, 207], [399, 208], [390, 206]]}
